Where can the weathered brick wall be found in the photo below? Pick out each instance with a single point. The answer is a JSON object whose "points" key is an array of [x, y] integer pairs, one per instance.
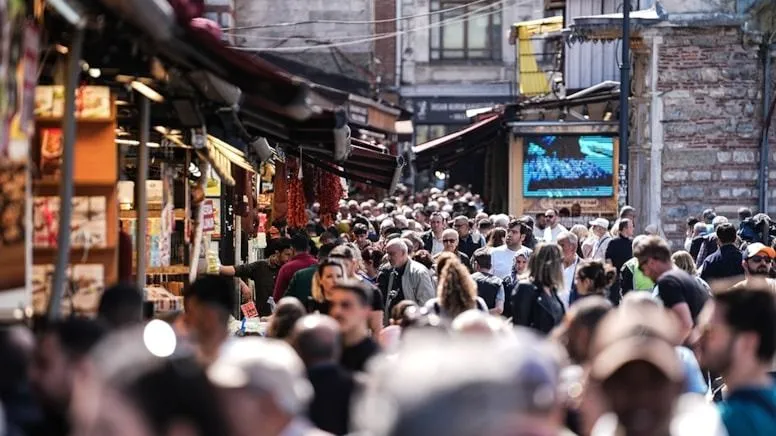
{"points": [[712, 89], [385, 48]]}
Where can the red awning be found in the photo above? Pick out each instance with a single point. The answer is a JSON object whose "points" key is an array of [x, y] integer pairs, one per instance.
{"points": [[448, 149]]}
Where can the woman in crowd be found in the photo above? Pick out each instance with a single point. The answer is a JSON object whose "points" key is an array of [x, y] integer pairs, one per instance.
{"points": [[519, 268], [424, 258], [456, 292], [497, 237], [328, 273], [594, 278], [351, 260], [372, 259], [535, 302], [684, 261]]}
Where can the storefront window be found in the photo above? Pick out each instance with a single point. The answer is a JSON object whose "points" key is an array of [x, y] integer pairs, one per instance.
{"points": [[465, 32]]}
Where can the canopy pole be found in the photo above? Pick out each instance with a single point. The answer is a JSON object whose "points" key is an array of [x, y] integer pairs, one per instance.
{"points": [[66, 188], [141, 203], [624, 94]]}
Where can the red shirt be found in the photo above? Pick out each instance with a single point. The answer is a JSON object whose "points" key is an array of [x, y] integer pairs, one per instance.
{"points": [[298, 262]]}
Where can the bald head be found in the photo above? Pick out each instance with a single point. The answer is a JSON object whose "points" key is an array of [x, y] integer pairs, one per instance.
{"points": [[316, 339]]}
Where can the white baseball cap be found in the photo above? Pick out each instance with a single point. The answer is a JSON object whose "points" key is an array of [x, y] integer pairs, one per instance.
{"points": [[600, 222]]}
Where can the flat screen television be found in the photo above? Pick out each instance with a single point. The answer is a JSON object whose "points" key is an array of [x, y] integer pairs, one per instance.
{"points": [[560, 166]]}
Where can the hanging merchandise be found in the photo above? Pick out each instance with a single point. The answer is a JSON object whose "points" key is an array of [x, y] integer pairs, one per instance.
{"points": [[297, 214], [328, 191], [280, 192]]}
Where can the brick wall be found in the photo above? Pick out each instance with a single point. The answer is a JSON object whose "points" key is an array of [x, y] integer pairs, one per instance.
{"points": [[712, 89], [385, 49]]}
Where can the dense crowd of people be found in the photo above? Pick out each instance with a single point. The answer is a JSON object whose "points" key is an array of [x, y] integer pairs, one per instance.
{"points": [[425, 315]]}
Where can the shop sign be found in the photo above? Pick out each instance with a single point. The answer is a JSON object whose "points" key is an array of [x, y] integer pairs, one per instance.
{"points": [[208, 216], [452, 110], [358, 114]]}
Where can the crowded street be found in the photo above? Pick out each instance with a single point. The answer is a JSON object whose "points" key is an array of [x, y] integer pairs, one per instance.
{"points": [[387, 218]]}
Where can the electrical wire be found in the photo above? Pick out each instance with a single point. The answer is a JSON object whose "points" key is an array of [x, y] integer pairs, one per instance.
{"points": [[465, 17], [382, 21]]}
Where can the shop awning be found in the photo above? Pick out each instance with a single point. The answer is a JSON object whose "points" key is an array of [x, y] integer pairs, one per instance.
{"points": [[222, 156], [367, 166], [444, 151]]}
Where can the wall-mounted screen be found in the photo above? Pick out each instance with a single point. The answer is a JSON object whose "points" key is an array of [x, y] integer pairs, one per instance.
{"points": [[568, 166]]}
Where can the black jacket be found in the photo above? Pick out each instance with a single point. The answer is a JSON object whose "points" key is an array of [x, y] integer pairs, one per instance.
{"points": [[330, 408], [428, 240], [488, 287], [536, 309], [708, 247], [468, 246], [724, 263]]}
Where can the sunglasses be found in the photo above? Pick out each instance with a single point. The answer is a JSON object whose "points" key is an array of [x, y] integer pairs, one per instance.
{"points": [[759, 259]]}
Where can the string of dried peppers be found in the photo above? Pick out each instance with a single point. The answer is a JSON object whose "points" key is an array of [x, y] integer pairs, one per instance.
{"points": [[297, 214], [328, 190]]}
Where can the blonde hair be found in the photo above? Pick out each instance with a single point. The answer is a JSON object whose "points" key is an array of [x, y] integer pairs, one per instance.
{"points": [[315, 287], [683, 261], [545, 266], [457, 291]]}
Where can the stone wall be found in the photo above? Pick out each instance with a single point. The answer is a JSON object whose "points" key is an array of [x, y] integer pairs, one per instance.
{"points": [[711, 85]]}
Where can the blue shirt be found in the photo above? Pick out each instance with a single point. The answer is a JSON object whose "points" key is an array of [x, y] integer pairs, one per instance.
{"points": [[694, 381], [750, 411]]}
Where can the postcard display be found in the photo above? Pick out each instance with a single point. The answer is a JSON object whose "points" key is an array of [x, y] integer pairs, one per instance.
{"points": [[94, 222]]}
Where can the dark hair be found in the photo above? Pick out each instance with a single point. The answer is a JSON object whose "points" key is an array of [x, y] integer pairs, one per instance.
{"points": [[627, 210], [177, 390], [363, 291], [300, 242], [652, 247], [623, 224], [215, 291], [372, 256], [726, 233], [519, 224], [121, 305], [588, 312], [360, 229], [424, 258], [76, 336], [497, 237], [483, 258], [325, 250], [744, 213], [287, 314], [602, 275], [280, 245], [692, 221], [752, 309]]}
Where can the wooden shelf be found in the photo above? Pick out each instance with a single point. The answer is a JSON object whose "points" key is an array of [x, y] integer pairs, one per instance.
{"points": [[180, 214], [49, 121]]}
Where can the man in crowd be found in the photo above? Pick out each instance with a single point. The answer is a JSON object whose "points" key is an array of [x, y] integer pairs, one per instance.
{"points": [[504, 256], [554, 228], [351, 304], [262, 386], [699, 232], [467, 244], [540, 225], [631, 277], [628, 213], [263, 272], [678, 290], [726, 261], [406, 279], [209, 302], [642, 379], [619, 251], [757, 266], [489, 287], [62, 348], [600, 228], [710, 242], [739, 342], [568, 245], [432, 240], [302, 259], [316, 338], [450, 239]]}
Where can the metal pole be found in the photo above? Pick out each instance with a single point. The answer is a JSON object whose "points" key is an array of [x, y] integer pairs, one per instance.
{"points": [[624, 94], [764, 146], [66, 188], [141, 203]]}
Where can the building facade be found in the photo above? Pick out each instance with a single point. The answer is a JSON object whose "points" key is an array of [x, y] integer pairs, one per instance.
{"points": [[702, 79], [454, 56]]}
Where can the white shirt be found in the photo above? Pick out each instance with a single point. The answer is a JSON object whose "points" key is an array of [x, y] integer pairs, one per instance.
{"points": [[568, 282], [437, 246], [551, 235], [599, 252], [504, 259]]}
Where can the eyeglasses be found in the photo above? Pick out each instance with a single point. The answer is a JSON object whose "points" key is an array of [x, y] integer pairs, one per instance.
{"points": [[758, 259], [449, 241]]}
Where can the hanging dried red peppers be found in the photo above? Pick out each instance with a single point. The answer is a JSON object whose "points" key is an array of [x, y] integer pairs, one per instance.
{"points": [[328, 192], [297, 214]]}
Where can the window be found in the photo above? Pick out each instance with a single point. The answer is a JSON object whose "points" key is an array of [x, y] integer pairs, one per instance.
{"points": [[465, 31]]}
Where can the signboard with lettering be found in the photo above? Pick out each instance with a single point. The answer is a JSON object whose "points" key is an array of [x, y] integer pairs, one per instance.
{"points": [[358, 114], [208, 216], [452, 110]]}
